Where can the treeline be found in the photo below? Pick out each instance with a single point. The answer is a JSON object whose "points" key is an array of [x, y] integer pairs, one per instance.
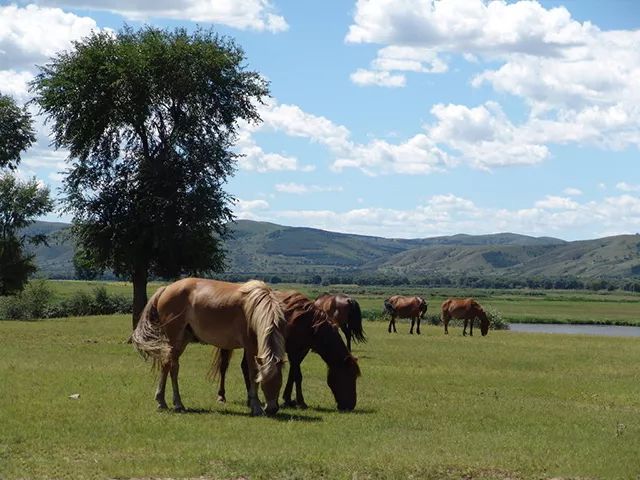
{"points": [[463, 281]]}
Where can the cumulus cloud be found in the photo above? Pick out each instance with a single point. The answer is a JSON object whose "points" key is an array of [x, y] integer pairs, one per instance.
{"points": [[32, 34], [380, 78], [257, 15], [451, 214], [249, 209], [627, 187], [572, 192], [301, 189]]}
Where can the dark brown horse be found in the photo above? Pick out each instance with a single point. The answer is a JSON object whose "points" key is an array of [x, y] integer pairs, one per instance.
{"points": [[345, 312], [468, 310], [227, 315], [308, 328], [398, 306]]}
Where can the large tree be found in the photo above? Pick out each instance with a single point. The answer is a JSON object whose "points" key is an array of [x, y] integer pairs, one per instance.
{"points": [[20, 202], [149, 118], [16, 132]]}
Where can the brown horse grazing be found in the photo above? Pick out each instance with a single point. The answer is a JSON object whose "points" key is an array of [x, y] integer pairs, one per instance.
{"points": [[308, 328], [224, 314], [467, 309], [345, 312], [405, 307]]}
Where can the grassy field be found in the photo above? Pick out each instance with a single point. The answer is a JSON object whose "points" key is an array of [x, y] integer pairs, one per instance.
{"points": [[524, 306], [509, 405]]}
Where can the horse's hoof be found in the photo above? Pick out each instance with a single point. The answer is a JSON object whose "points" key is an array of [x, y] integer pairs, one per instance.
{"points": [[289, 403], [179, 409], [221, 399], [410, 333], [162, 406], [257, 412], [302, 406]]}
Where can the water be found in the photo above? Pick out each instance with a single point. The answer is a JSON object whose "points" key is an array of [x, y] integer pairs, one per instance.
{"points": [[606, 330]]}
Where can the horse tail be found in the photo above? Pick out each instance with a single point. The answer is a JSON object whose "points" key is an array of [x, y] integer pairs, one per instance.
{"points": [[388, 308], [355, 321], [266, 318], [149, 338], [221, 357]]}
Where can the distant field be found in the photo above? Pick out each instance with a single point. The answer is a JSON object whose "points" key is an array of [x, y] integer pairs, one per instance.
{"points": [[526, 306], [505, 406]]}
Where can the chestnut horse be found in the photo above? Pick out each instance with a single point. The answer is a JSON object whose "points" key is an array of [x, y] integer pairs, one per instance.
{"points": [[405, 307], [224, 314], [467, 309], [308, 328], [345, 312]]}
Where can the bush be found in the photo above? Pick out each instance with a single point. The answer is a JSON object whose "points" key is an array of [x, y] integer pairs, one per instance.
{"points": [[33, 302], [36, 301]]}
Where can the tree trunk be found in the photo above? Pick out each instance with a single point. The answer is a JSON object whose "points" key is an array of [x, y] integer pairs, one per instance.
{"points": [[139, 294]]}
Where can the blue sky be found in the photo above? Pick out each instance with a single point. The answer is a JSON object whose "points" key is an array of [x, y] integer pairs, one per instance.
{"points": [[404, 118]]}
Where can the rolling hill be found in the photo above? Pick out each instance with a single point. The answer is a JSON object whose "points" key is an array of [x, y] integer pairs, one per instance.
{"points": [[266, 248]]}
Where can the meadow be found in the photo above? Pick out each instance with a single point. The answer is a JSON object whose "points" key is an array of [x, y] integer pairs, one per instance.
{"points": [[505, 406], [516, 306]]}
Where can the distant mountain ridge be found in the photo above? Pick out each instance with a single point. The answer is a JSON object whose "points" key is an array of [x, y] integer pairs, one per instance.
{"points": [[264, 248]]}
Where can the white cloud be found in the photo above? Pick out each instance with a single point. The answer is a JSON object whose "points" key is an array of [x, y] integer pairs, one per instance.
{"points": [[451, 214], [249, 209], [15, 84], [32, 34], [243, 14], [301, 189], [572, 192], [627, 187], [380, 78]]}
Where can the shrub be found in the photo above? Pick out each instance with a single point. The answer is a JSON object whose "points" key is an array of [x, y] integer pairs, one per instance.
{"points": [[33, 302]]}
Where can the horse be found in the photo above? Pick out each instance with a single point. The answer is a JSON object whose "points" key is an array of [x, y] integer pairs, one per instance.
{"points": [[467, 309], [345, 312], [308, 328], [405, 307], [227, 315]]}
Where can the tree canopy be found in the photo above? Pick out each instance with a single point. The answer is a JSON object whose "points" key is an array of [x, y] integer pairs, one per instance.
{"points": [[149, 118], [16, 132]]}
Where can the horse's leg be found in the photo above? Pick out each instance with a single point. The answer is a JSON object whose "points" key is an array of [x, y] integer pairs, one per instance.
{"points": [[413, 321], [225, 356], [162, 383], [252, 367], [245, 374], [464, 330], [418, 326], [393, 319], [286, 395], [445, 320], [390, 322], [298, 380], [471, 326]]}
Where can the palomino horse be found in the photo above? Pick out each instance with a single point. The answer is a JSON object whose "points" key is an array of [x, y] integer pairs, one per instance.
{"points": [[308, 328], [467, 309], [224, 314], [405, 307], [345, 312]]}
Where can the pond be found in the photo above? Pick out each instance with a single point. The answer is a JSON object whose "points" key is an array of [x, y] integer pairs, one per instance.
{"points": [[606, 330]]}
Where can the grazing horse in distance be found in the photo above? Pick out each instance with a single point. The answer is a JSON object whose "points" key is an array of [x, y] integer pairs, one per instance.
{"points": [[345, 312], [405, 307], [308, 328], [467, 309], [227, 315]]}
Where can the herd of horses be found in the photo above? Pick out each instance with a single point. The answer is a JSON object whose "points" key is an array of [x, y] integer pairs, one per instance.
{"points": [[270, 326]]}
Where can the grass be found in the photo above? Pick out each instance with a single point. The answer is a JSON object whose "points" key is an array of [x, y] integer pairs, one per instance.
{"points": [[517, 306], [509, 405]]}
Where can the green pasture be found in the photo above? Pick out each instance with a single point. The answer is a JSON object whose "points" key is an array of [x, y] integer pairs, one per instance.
{"points": [[524, 306], [509, 405]]}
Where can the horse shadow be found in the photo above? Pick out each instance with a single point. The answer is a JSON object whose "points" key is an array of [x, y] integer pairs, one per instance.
{"points": [[280, 416], [357, 411]]}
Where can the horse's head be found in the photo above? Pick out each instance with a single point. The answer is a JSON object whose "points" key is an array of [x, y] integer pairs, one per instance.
{"points": [[270, 382], [484, 323], [423, 307], [342, 382]]}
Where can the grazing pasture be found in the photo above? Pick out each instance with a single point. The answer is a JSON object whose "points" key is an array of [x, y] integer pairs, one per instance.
{"points": [[517, 406]]}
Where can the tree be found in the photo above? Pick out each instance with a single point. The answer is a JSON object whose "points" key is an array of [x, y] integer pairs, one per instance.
{"points": [[16, 132], [149, 118], [20, 203]]}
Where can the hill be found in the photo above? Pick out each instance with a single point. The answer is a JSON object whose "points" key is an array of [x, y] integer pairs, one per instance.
{"points": [[263, 248]]}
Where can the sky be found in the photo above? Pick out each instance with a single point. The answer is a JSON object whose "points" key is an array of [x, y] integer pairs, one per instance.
{"points": [[401, 118]]}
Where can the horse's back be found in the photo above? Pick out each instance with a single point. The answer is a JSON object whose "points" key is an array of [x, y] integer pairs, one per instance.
{"points": [[405, 306], [459, 307]]}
